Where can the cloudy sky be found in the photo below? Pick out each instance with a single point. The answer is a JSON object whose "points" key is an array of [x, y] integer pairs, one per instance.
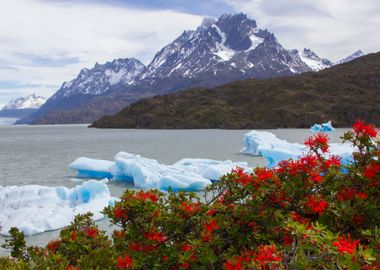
{"points": [[46, 42]]}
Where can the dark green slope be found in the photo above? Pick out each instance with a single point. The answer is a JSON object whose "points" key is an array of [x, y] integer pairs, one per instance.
{"points": [[342, 94]]}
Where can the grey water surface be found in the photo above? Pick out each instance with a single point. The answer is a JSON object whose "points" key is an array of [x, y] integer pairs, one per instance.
{"points": [[39, 155], [6, 121]]}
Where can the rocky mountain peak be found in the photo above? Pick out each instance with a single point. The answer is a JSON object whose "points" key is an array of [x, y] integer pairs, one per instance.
{"points": [[102, 78], [30, 102], [313, 60], [351, 57]]}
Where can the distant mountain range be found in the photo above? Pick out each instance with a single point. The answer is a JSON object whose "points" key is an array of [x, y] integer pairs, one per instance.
{"points": [[341, 94], [219, 51], [351, 57], [22, 106]]}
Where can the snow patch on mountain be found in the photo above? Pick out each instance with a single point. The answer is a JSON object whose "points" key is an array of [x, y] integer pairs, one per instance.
{"points": [[102, 78], [351, 57], [314, 61], [255, 41], [30, 102]]}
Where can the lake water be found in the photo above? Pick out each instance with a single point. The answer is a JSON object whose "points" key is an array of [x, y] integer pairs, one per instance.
{"points": [[40, 154], [6, 121]]}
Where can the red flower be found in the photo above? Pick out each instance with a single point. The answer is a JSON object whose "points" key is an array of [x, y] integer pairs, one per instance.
{"points": [[211, 226], [350, 194], [184, 265], [148, 248], [318, 141], [317, 204], [206, 237], [187, 247], [362, 129], [242, 177], [153, 235], [315, 177], [53, 245], [211, 212], [309, 161], [165, 258], [190, 208], [135, 247], [288, 240], [263, 174], [234, 264], [372, 170], [148, 195], [92, 232], [119, 234], [333, 161], [267, 254], [73, 235], [346, 245], [119, 213], [124, 262]]}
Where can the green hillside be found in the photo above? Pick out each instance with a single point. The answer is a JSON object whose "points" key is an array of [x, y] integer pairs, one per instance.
{"points": [[342, 94]]}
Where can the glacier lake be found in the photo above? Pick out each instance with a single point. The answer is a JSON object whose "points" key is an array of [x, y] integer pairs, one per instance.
{"points": [[6, 121], [39, 155]]}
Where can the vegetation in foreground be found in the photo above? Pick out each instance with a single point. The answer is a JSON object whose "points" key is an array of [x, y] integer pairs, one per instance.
{"points": [[310, 213]]}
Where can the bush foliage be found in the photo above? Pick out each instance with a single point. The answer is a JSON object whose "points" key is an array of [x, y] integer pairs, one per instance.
{"points": [[309, 213]]}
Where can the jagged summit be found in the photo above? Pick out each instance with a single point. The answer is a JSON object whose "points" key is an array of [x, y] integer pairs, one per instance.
{"points": [[102, 78], [311, 59], [232, 45]]}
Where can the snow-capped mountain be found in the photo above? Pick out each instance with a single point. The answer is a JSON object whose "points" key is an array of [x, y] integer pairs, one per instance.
{"points": [[231, 47], [30, 102], [102, 78], [311, 59], [219, 51], [351, 57]]}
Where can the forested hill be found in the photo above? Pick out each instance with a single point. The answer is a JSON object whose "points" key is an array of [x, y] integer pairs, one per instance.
{"points": [[341, 93]]}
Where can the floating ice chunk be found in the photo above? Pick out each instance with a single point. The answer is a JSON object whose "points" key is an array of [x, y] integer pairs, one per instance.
{"points": [[36, 209], [316, 128], [275, 150], [187, 174], [92, 168], [148, 173], [208, 168], [255, 141], [325, 127]]}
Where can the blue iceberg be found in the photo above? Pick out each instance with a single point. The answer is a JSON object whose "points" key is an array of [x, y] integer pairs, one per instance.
{"points": [[274, 150], [36, 209], [93, 168], [185, 175], [325, 127]]}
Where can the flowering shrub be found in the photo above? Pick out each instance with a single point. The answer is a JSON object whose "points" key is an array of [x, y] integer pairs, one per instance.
{"points": [[307, 213]]}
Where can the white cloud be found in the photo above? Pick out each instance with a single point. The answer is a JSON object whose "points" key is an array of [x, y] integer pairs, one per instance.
{"points": [[332, 28], [34, 33]]}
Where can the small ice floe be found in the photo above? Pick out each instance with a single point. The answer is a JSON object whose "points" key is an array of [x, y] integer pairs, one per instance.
{"points": [[274, 150], [36, 209], [185, 175], [325, 127]]}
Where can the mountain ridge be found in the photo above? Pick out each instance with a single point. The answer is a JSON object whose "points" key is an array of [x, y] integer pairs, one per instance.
{"points": [[341, 93], [219, 51]]}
